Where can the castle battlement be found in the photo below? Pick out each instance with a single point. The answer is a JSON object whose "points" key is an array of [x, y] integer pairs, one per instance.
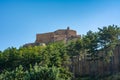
{"points": [[58, 35]]}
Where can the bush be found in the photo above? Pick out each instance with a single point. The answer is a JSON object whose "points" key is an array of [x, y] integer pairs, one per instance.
{"points": [[36, 73]]}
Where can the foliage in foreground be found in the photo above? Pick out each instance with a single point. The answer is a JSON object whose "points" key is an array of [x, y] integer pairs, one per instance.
{"points": [[36, 73], [51, 55]]}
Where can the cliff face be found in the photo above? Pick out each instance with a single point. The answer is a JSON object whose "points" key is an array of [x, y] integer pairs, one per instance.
{"points": [[58, 35]]}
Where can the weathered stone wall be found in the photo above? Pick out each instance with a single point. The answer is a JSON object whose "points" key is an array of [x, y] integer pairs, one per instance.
{"points": [[60, 32], [44, 38], [71, 33], [58, 35]]}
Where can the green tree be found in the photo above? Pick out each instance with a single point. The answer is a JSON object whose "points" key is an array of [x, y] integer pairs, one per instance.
{"points": [[76, 48], [9, 58], [108, 39], [90, 41]]}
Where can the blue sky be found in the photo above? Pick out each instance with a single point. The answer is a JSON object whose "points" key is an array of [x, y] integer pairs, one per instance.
{"points": [[20, 20]]}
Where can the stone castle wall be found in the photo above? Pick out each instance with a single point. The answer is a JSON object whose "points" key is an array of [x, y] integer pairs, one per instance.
{"points": [[44, 38], [58, 35]]}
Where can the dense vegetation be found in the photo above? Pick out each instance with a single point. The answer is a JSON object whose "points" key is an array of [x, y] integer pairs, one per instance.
{"points": [[51, 62]]}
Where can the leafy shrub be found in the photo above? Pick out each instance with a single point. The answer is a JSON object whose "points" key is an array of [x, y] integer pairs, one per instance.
{"points": [[36, 73]]}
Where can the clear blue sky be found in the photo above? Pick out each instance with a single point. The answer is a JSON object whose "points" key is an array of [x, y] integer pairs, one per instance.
{"points": [[20, 20]]}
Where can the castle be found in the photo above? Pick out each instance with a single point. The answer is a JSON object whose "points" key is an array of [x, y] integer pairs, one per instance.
{"points": [[58, 35]]}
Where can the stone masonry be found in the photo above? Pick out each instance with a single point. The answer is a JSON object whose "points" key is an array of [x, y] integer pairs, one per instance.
{"points": [[58, 35]]}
